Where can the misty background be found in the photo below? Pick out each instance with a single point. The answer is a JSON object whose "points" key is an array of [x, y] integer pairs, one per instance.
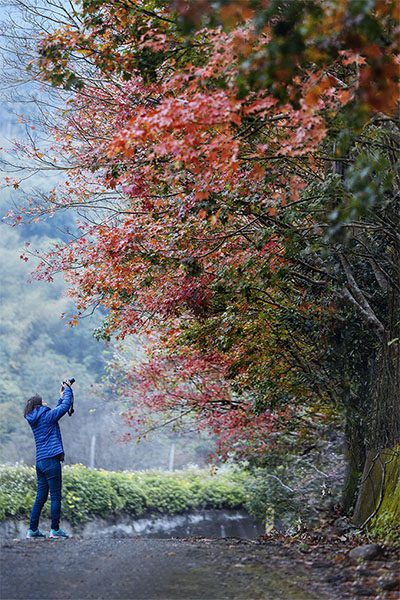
{"points": [[38, 348]]}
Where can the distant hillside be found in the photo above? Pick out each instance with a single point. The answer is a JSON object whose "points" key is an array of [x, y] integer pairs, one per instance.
{"points": [[38, 349]]}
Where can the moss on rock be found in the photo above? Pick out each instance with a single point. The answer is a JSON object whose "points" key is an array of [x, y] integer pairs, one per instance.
{"points": [[385, 526]]}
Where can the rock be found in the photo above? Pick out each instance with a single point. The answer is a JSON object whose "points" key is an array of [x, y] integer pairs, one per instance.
{"points": [[389, 582], [319, 564], [336, 578], [119, 534], [366, 552], [363, 571], [342, 525], [247, 559], [360, 590]]}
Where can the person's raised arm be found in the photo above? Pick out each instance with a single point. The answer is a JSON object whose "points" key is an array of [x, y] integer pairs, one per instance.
{"points": [[61, 396], [63, 405]]}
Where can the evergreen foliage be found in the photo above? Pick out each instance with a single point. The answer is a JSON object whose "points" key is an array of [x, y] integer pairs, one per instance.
{"points": [[99, 493]]}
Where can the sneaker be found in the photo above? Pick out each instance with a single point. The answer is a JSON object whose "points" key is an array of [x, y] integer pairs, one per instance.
{"points": [[35, 534], [59, 533]]}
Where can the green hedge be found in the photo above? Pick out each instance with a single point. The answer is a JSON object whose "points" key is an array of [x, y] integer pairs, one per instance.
{"points": [[90, 493]]}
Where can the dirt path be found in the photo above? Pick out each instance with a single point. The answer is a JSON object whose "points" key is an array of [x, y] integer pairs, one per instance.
{"points": [[148, 569], [194, 568]]}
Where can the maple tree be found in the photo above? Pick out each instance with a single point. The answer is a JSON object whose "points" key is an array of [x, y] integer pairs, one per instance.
{"points": [[234, 164]]}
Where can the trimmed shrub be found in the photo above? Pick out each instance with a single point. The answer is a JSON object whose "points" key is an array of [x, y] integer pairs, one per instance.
{"points": [[87, 493], [165, 494], [99, 493], [132, 498], [18, 490], [216, 493]]}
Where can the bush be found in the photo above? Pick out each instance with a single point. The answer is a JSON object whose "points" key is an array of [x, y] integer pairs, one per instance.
{"points": [[289, 489], [165, 494], [131, 496], [87, 493], [18, 490], [217, 493], [98, 493]]}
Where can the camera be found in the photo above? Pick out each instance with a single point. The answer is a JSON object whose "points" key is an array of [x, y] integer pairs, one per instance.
{"points": [[69, 382]]}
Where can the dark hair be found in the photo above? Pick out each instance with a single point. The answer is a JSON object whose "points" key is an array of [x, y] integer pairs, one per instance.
{"points": [[32, 403]]}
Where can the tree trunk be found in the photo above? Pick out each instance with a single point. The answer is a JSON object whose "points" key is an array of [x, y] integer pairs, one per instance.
{"points": [[357, 406], [355, 460], [376, 492]]}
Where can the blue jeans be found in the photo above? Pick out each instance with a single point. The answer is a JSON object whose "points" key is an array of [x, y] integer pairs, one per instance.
{"points": [[48, 471]]}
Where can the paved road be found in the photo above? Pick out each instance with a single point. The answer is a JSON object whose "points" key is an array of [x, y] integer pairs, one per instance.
{"points": [[150, 569]]}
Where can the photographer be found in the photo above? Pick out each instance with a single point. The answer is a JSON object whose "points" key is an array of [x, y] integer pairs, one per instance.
{"points": [[49, 455]]}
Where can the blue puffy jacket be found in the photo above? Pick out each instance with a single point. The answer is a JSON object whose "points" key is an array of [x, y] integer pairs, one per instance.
{"points": [[44, 423]]}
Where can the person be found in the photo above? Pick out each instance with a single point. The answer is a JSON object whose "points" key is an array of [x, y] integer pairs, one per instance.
{"points": [[49, 455]]}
